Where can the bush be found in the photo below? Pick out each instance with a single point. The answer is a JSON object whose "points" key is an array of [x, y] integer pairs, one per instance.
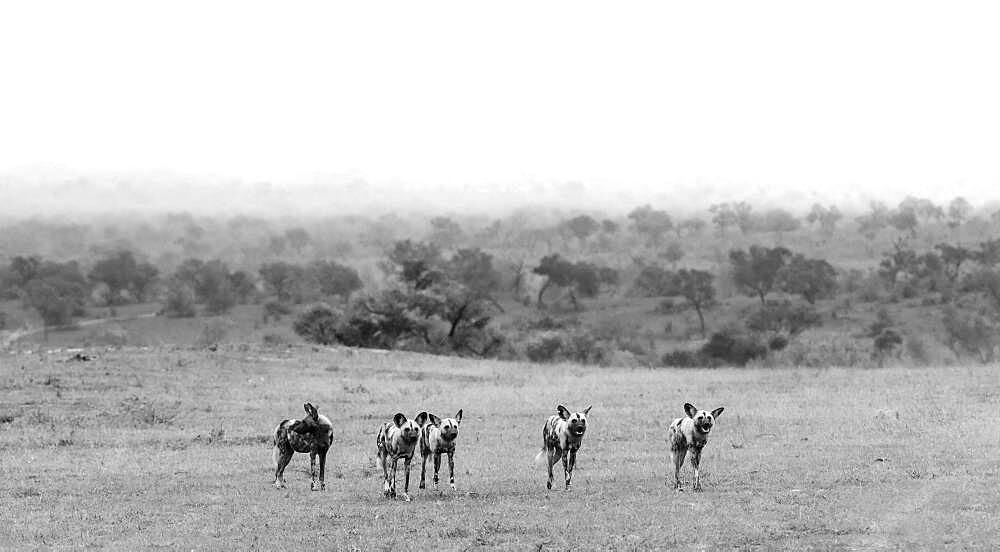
{"points": [[179, 302], [274, 310], [318, 325], [686, 359], [544, 349], [733, 347], [273, 339]]}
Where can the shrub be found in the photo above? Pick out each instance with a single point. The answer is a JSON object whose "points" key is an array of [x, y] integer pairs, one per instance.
{"points": [[274, 310], [544, 349], [318, 325], [734, 347], [179, 302], [686, 359]]}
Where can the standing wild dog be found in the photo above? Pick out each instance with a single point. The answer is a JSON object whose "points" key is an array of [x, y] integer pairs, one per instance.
{"points": [[690, 433], [438, 436], [312, 434], [398, 439], [562, 436]]}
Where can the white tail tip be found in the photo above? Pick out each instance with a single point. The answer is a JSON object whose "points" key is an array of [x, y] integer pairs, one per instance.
{"points": [[540, 458]]}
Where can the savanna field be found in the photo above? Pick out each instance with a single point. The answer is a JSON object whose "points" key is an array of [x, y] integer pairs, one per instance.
{"points": [[169, 448]]}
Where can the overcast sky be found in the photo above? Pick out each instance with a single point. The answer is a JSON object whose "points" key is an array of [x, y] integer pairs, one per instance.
{"points": [[850, 96]]}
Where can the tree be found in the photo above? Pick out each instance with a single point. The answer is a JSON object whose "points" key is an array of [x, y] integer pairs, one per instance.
{"points": [[904, 220], [958, 212], [609, 226], [582, 226], [952, 257], [744, 217], [242, 286], [445, 232], [651, 223], [723, 216], [693, 226], [900, 261], [417, 264], [872, 222], [125, 277], [811, 278], [654, 281], [335, 279], [778, 221], [923, 208], [579, 278], [297, 238], [826, 217], [696, 287], [673, 253], [282, 278], [756, 271], [57, 292]]}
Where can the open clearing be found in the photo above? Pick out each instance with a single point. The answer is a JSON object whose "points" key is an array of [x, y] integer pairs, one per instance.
{"points": [[169, 449]]}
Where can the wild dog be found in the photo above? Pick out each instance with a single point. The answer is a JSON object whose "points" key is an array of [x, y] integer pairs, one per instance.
{"points": [[562, 436], [398, 439], [312, 434], [437, 437], [690, 434]]}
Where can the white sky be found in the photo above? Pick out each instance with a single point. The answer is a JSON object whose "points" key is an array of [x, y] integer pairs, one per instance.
{"points": [[897, 96]]}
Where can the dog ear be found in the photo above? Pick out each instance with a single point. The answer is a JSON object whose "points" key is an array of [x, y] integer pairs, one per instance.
{"points": [[717, 412], [421, 419], [563, 412], [399, 419], [587, 410], [690, 410], [458, 417], [306, 407], [313, 411], [434, 419]]}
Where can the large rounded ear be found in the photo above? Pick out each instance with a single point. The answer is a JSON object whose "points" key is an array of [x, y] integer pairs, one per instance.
{"points": [[307, 408], [434, 419], [421, 419], [717, 412], [399, 419], [312, 410], [458, 417], [690, 410], [587, 410], [563, 412]]}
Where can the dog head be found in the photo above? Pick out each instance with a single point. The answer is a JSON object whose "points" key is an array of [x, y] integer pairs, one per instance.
{"points": [[314, 425], [448, 426], [576, 422], [703, 420], [409, 430]]}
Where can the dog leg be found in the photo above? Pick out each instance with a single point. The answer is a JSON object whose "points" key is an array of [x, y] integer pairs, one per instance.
{"points": [[568, 458], [406, 481], [677, 455], [423, 470], [553, 458], [390, 478], [451, 469], [695, 461], [437, 468], [322, 470], [312, 470], [282, 457]]}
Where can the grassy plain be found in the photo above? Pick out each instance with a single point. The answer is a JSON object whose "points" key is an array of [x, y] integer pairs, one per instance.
{"points": [[168, 448]]}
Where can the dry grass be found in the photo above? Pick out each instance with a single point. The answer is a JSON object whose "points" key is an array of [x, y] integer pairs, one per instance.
{"points": [[167, 449]]}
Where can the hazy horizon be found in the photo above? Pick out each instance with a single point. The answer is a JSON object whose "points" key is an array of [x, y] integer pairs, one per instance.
{"points": [[454, 106]]}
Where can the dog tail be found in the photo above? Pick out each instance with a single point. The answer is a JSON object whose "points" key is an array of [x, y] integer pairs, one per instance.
{"points": [[540, 458]]}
